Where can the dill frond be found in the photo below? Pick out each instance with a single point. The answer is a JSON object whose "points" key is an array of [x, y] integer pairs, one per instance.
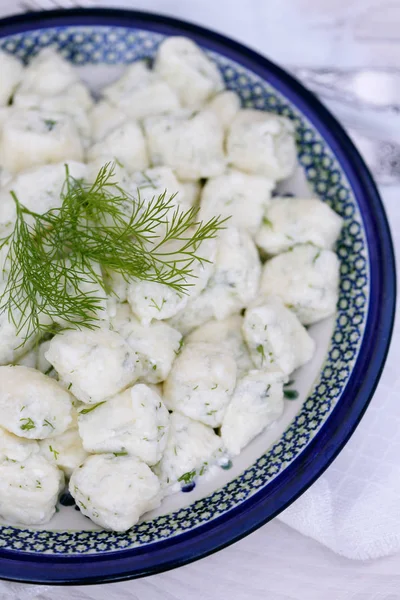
{"points": [[52, 258]]}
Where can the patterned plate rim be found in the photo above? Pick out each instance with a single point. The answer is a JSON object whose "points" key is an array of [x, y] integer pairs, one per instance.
{"points": [[335, 432]]}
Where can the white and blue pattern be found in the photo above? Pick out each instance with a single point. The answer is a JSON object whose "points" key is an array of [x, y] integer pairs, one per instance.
{"points": [[107, 45]]}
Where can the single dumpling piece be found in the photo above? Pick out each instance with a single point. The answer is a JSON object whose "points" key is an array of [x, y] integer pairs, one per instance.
{"points": [[191, 191], [152, 300], [262, 143], [228, 334], [33, 405], [38, 189], [75, 102], [11, 73], [141, 92], [65, 451], [156, 344], [191, 448], [201, 382], [236, 277], [16, 448], [95, 365], [189, 143], [114, 491], [290, 221], [307, 280], [48, 74], [256, 403], [125, 144], [134, 422], [37, 137], [225, 106], [12, 345], [275, 337], [104, 118], [29, 490], [188, 70], [240, 196]]}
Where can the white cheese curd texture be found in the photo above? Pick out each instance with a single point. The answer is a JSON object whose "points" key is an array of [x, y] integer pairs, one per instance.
{"points": [[11, 343], [191, 192], [201, 382], [65, 451], [125, 144], [151, 300], [227, 334], [141, 92], [196, 312], [29, 490], [11, 74], [225, 106], [188, 71], [276, 338], [307, 280], [114, 491], [74, 102], [48, 74], [241, 197], [290, 221], [38, 137], [236, 278], [256, 403], [157, 344], [189, 143], [262, 143], [104, 118], [134, 422], [94, 364], [191, 448], [16, 448], [33, 405], [38, 189]]}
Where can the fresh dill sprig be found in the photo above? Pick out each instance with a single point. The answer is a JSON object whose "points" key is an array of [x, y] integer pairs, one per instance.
{"points": [[55, 259]]}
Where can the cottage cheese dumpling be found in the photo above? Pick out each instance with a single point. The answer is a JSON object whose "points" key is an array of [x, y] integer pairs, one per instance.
{"points": [[33, 405], [191, 144], [188, 70], [227, 334], [38, 189], [290, 221], [38, 137], [48, 74], [126, 144], [141, 92], [16, 448], [156, 344], [134, 422], [104, 118], [225, 106], [29, 490], [240, 196], [275, 337], [256, 403], [11, 73], [95, 365], [262, 143], [307, 280], [65, 451], [114, 491], [201, 382], [191, 448]]}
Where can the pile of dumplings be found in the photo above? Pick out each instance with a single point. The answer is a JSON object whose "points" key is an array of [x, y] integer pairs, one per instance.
{"points": [[168, 385]]}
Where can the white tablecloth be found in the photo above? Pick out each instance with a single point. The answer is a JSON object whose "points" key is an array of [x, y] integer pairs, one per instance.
{"points": [[276, 562]]}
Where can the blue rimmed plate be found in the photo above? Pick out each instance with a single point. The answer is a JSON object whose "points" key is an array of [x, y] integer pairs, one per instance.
{"points": [[334, 390]]}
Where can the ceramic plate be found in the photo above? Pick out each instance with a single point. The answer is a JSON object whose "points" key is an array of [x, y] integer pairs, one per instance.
{"points": [[333, 390]]}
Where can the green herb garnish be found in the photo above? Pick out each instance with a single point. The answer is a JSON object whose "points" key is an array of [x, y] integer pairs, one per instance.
{"points": [[261, 351], [29, 424], [54, 452], [53, 258], [85, 411], [291, 394], [188, 477]]}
